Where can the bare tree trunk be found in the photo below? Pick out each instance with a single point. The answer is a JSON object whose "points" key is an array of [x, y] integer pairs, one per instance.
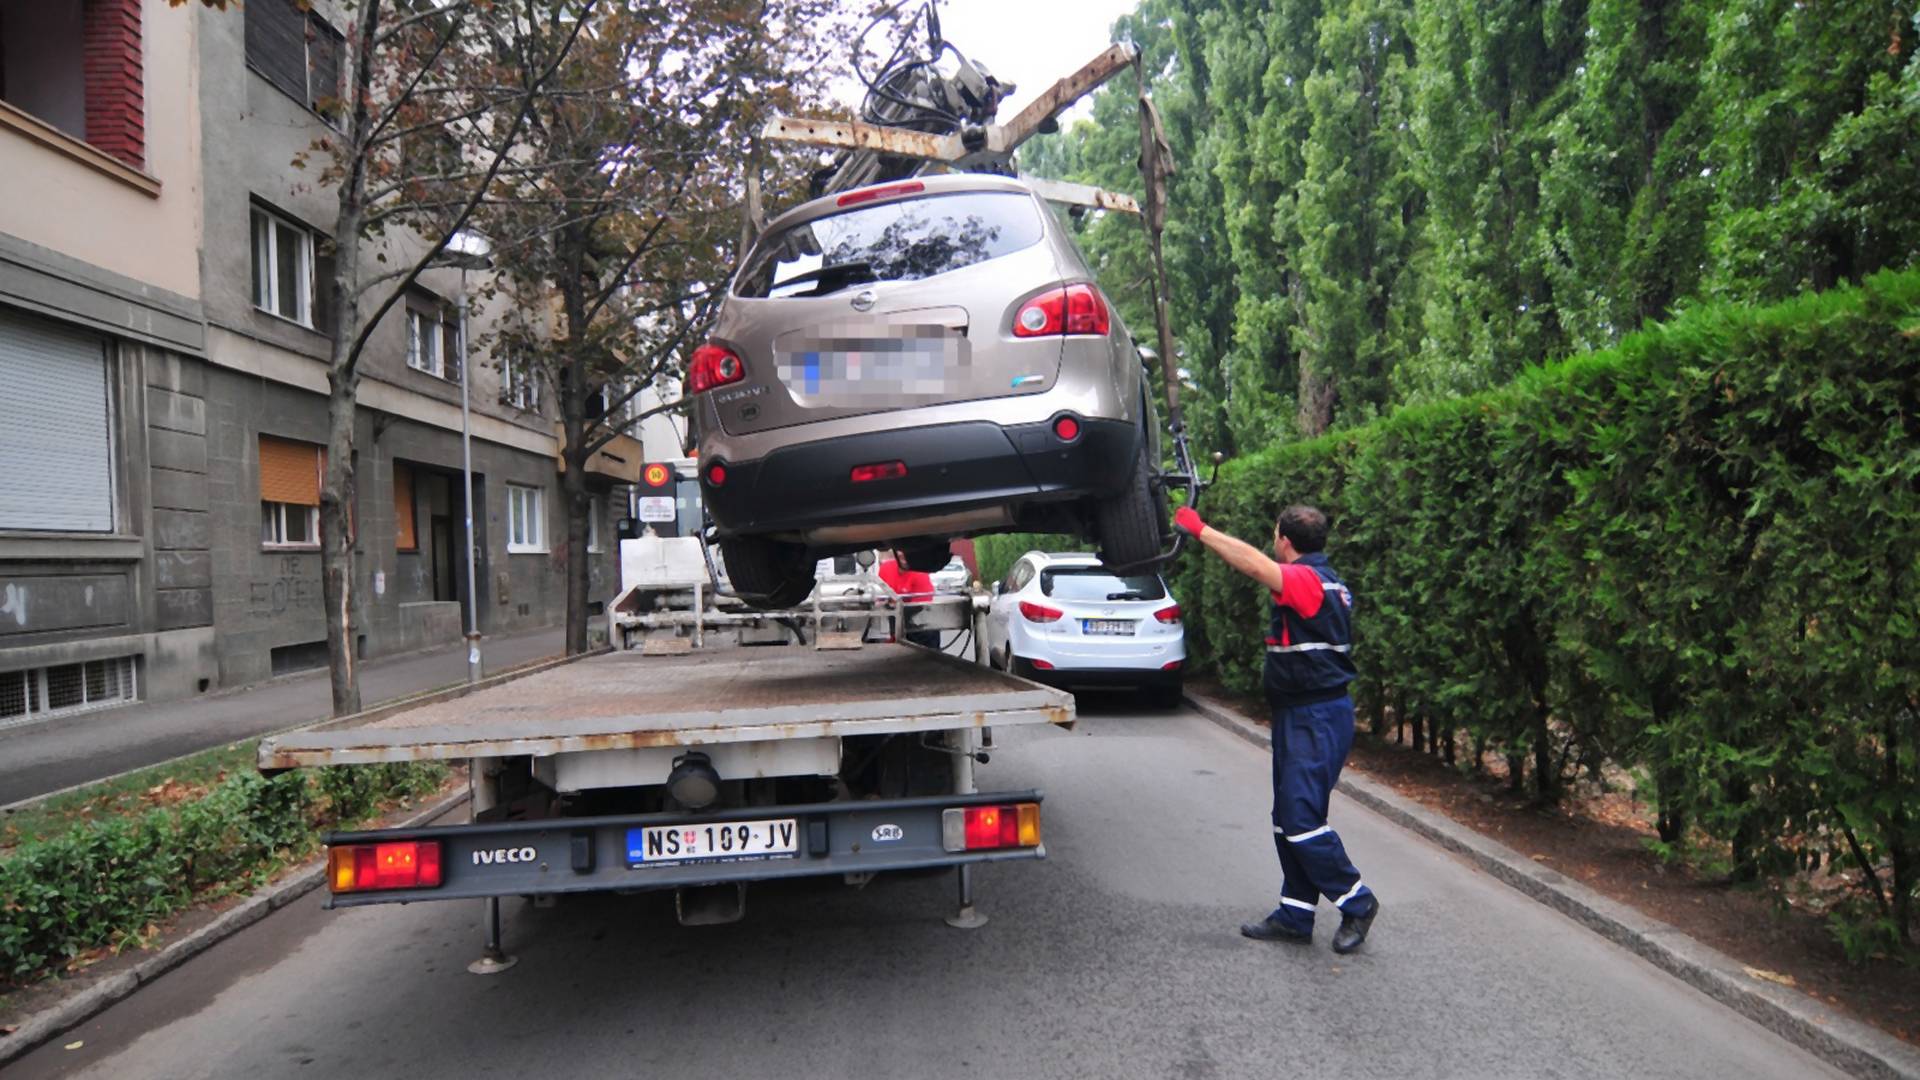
{"points": [[579, 505], [573, 412], [1899, 839], [339, 578], [1316, 399]]}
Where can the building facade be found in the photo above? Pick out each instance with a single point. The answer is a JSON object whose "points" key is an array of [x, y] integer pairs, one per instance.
{"points": [[159, 485]]}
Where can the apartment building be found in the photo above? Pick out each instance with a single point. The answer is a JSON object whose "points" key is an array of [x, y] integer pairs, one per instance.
{"points": [[159, 476]]}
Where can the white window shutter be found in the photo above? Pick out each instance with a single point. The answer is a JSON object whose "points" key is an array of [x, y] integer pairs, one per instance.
{"points": [[56, 444]]}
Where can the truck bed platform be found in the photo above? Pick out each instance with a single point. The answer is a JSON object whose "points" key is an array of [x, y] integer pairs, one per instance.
{"points": [[624, 700]]}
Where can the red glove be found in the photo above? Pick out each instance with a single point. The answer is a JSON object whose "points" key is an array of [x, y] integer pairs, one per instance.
{"points": [[1187, 521]]}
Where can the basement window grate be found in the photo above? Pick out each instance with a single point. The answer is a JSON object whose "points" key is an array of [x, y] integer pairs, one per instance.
{"points": [[48, 693]]}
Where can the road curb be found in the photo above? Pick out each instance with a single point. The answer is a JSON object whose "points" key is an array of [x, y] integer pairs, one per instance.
{"points": [[69, 1013], [1839, 1040]]}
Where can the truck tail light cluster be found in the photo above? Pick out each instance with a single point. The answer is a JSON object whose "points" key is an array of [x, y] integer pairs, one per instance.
{"points": [[1033, 612], [983, 828], [1069, 310], [404, 864], [713, 365]]}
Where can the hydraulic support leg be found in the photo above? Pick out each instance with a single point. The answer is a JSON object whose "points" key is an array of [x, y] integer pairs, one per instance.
{"points": [[493, 960], [967, 917]]}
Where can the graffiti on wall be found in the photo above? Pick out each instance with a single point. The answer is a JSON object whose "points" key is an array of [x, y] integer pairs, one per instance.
{"points": [[295, 588]]}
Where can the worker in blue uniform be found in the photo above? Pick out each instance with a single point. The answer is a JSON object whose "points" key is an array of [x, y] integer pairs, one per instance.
{"points": [[1309, 662]]}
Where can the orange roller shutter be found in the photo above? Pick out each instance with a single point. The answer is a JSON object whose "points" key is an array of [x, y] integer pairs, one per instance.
{"points": [[289, 472], [403, 537]]}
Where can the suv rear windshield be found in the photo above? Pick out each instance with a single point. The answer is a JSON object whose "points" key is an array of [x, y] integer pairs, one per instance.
{"points": [[1095, 584], [903, 240]]}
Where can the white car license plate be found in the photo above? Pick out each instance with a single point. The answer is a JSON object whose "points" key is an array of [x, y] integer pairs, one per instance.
{"points": [[1107, 626], [732, 841]]}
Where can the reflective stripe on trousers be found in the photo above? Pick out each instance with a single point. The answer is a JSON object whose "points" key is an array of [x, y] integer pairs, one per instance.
{"points": [[1310, 747]]}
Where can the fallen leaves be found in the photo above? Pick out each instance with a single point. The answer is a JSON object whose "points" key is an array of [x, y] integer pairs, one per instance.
{"points": [[1772, 976]]}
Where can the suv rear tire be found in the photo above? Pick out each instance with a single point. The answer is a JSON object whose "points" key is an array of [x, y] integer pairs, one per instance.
{"points": [[1128, 526], [768, 574]]}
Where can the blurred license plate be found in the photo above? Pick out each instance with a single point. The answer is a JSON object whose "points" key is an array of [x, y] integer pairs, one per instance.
{"points": [[661, 845], [882, 370], [1106, 626]]}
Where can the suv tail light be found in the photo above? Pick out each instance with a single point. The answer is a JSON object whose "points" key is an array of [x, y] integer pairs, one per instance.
{"points": [[712, 366], [883, 191], [1033, 612], [1168, 614], [1070, 310]]}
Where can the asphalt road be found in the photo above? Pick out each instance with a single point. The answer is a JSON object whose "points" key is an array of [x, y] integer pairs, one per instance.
{"points": [[1116, 957]]}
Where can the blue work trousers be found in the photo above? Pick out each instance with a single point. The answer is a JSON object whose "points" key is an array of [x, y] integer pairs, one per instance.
{"points": [[1310, 746]]}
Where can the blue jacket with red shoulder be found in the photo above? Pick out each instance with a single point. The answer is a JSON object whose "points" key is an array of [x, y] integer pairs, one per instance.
{"points": [[1310, 638]]}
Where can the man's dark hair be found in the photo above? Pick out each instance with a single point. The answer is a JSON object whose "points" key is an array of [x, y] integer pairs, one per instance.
{"points": [[1305, 526]]}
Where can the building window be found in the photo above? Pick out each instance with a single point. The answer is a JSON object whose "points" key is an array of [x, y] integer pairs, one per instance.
{"points": [[45, 693], [296, 51], [56, 443], [526, 524], [519, 383], [282, 268], [404, 515], [290, 493], [78, 67], [433, 340]]}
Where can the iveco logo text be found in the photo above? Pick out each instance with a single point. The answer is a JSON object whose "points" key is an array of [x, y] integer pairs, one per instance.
{"points": [[504, 855], [884, 833]]}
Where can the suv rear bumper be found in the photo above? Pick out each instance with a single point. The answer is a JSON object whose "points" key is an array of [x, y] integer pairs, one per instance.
{"points": [[950, 468]]}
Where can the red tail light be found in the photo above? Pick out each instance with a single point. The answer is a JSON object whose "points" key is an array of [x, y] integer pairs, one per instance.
{"points": [[1168, 614], [1033, 612], [1086, 310], [717, 475], [712, 366], [1042, 665], [1171, 665], [1075, 309], [1066, 429], [406, 864], [975, 828], [886, 470], [883, 191]]}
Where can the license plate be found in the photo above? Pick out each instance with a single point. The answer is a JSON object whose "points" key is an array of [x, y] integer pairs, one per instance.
{"points": [[733, 841], [1106, 626], [927, 361]]}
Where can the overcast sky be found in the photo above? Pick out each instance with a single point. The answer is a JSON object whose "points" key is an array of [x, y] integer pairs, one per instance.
{"points": [[1027, 42]]}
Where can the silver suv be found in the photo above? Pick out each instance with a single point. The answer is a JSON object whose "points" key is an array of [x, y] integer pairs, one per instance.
{"points": [[899, 365]]}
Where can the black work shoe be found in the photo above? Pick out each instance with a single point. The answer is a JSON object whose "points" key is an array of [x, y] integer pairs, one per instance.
{"points": [[1268, 929], [1353, 930]]}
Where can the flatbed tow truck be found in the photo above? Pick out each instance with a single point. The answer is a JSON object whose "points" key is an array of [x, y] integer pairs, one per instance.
{"points": [[697, 772]]}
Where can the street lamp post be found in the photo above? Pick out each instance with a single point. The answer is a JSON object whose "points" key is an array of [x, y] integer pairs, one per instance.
{"points": [[469, 253], [466, 492]]}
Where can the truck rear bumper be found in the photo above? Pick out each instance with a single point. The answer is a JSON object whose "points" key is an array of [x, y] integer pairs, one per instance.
{"points": [[590, 854]]}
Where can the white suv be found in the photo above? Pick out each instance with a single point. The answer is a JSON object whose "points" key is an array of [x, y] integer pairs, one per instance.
{"points": [[1067, 620]]}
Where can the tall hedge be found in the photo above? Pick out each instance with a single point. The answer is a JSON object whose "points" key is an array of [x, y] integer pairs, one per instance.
{"points": [[1696, 556]]}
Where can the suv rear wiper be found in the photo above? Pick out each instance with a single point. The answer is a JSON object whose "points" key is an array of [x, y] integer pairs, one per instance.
{"points": [[852, 271]]}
